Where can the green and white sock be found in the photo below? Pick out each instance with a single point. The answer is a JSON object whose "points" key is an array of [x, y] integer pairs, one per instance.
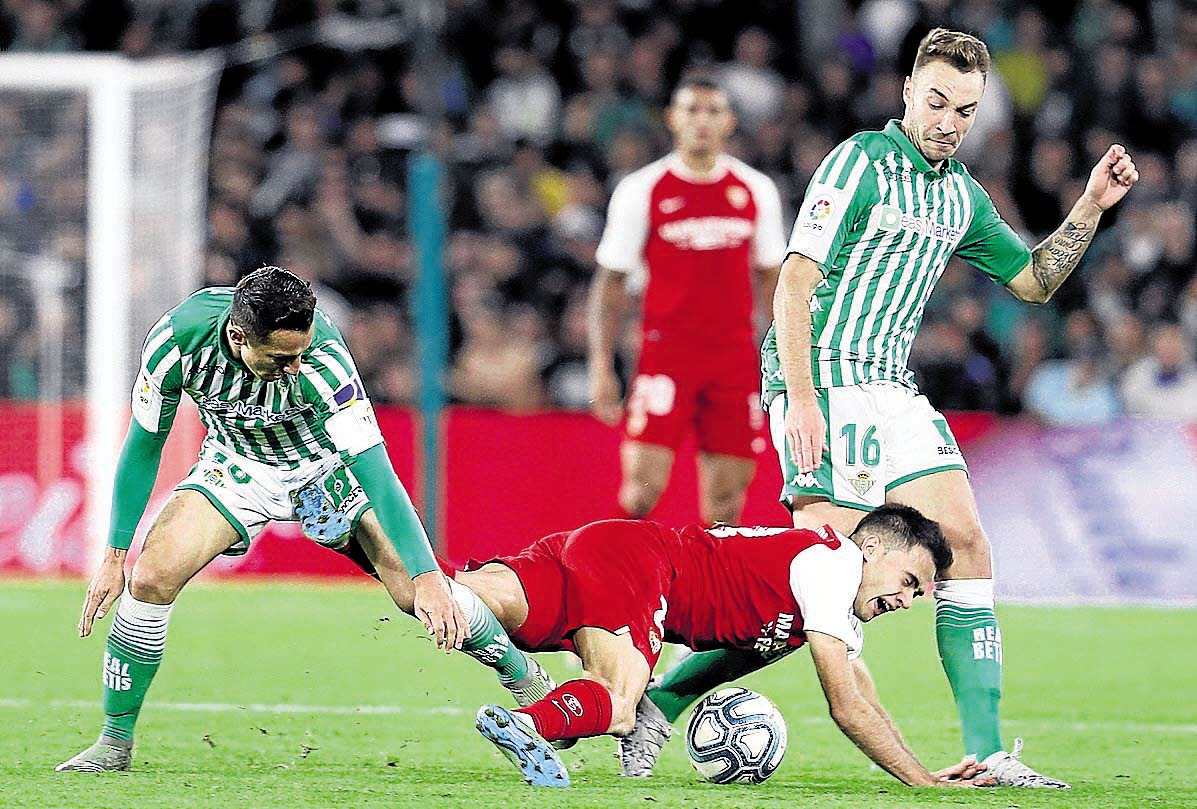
{"points": [[132, 657], [489, 643], [970, 647]]}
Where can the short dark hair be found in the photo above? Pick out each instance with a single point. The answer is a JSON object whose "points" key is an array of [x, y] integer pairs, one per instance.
{"points": [[962, 51], [270, 299], [696, 81], [904, 527]]}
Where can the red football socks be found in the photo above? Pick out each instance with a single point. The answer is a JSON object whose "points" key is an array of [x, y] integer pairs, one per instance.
{"points": [[575, 710]]}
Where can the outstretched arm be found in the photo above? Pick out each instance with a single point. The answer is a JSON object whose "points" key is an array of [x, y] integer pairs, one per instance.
{"points": [[136, 472], [860, 720], [434, 605], [857, 717], [1054, 259]]}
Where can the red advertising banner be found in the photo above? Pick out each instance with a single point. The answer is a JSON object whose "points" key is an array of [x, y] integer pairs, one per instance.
{"points": [[507, 480]]}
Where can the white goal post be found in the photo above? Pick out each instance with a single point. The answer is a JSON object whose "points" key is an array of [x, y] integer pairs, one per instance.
{"points": [[148, 127]]}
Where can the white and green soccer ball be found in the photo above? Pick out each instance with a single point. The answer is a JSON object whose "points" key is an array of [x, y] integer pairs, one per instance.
{"points": [[736, 735]]}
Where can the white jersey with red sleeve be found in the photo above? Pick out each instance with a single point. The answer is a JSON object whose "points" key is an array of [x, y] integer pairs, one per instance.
{"points": [[763, 589], [692, 242]]}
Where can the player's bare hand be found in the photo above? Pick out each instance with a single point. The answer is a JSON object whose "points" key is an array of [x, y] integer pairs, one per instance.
{"points": [[104, 588], [806, 430], [604, 396], [1111, 178], [438, 611], [968, 773]]}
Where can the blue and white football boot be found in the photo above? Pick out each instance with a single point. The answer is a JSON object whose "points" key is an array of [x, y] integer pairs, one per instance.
{"points": [[516, 738]]}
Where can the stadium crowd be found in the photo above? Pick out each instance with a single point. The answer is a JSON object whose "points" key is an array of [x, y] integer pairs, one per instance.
{"points": [[546, 105]]}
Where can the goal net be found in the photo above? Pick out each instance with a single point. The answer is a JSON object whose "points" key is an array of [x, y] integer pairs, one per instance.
{"points": [[103, 177]]}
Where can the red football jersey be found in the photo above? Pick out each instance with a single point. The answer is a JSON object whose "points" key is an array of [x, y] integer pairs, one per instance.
{"points": [[762, 589], [693, 241]]}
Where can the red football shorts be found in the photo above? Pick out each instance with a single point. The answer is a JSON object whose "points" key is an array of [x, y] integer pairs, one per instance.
{"points": [[613, 575], [716, 391]]}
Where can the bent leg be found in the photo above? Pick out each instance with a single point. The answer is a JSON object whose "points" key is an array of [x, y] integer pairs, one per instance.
{"points": [[615, 676], [646, 469], [722, 485], [188, 534], [966, 627]]}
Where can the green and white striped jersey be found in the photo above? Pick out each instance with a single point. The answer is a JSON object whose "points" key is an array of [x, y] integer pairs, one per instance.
{"points": [[283, 422], [882, 223]]}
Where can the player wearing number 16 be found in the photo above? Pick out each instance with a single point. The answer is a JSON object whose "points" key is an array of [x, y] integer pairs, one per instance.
{"points": [[882, 216], [291, 436]]}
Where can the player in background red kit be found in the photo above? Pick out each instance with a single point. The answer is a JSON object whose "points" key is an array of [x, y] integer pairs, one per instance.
{"points": [[613, 591], [701, 233]]}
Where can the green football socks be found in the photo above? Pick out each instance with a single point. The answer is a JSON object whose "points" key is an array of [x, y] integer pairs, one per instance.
{"points": [[131, 660], [488, 642], [699, 673], [970, 647]]}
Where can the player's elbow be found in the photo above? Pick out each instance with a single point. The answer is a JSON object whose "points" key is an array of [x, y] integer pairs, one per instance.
{"points": [[1036, 296], [1027, 288], [849, 712]]}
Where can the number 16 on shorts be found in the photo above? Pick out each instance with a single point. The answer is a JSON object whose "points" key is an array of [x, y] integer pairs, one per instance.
{"points": [[852, 472]]}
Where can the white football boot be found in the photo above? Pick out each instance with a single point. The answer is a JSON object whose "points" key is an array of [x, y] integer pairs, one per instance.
{"points": [[640, 749], [1007, 771]]}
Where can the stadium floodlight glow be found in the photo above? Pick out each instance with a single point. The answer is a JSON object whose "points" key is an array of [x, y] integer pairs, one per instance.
{"points": [[148, 124]]}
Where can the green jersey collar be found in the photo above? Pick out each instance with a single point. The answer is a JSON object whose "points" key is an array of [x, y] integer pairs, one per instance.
{"points": [[893, 131]]}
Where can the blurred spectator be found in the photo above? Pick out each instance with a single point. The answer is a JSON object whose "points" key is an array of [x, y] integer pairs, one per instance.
{"points": [[754, 88], [1164, 384], [549, 105], [496, 367], [525, 98], [1023, 67], [1075, 390]]}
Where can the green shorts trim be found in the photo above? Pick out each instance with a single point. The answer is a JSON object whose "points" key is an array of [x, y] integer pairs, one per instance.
{"points": [[924, 473], [233, 521]]}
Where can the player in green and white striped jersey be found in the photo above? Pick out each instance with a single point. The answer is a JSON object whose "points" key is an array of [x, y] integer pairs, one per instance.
{"points": [[291, 436], [881, 218]]}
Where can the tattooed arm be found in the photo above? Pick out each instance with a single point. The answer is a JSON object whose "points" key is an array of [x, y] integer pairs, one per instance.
{"points": [[1059, 254]]}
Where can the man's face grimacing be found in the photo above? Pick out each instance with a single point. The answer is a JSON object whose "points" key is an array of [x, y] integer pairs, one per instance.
{"points": [[892, 577], [278, 354], [941, 105], [700, 119]]}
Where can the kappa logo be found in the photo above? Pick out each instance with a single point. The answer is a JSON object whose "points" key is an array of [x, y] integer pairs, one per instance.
{"points": [[862, 483], [804, 480]]}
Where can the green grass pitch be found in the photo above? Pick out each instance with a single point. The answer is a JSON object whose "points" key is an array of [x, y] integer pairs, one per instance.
{"points": [[300, 695]]}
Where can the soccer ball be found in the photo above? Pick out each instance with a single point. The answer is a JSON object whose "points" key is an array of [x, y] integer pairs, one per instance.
{"points": [[736, 735]]}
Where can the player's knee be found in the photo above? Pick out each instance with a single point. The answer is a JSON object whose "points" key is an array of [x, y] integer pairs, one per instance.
{"points": [[638, 496], [723, 506], [153, 585], [966, 537]]}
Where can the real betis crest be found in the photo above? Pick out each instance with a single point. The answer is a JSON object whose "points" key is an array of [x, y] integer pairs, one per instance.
{"points": [[862, 483]]}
